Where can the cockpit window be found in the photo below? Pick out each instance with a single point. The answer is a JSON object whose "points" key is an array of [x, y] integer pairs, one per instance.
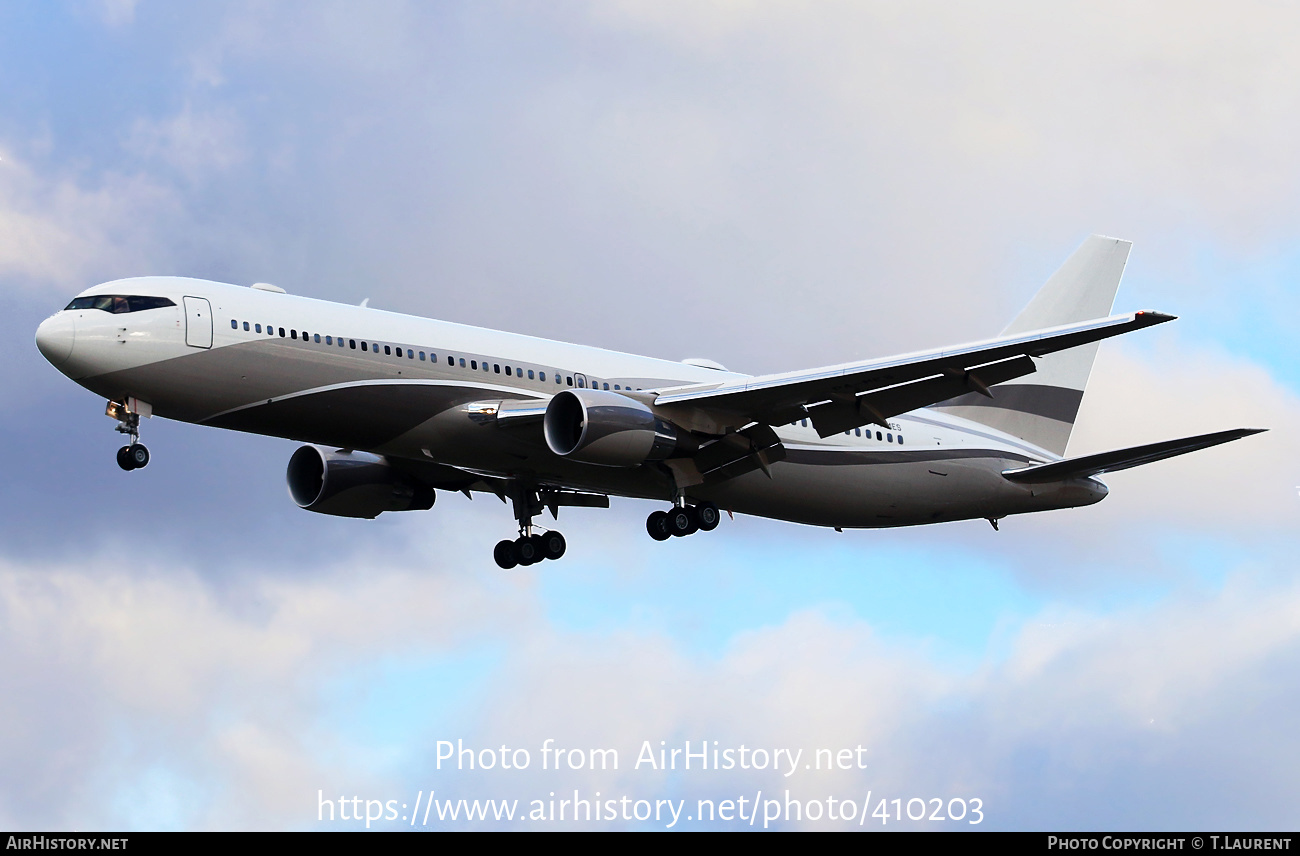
{"points": [[120, 303]]}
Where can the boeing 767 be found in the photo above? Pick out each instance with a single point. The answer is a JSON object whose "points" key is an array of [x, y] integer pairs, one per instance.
{"points": [[395, 408]]}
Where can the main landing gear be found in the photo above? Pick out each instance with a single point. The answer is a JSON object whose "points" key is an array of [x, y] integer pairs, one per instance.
{"points": [[134, 456], [530, 547], [683, 520]]}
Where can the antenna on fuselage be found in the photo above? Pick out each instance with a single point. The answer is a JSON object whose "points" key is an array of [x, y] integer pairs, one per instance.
{"points": [[363, 304]]}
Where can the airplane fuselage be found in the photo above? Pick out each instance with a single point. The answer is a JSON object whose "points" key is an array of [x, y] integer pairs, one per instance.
{"points": [[422, 391]]}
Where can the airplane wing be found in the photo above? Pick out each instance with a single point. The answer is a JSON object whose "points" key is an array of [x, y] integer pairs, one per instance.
{"points": [[846, 396], [1122, 459]]}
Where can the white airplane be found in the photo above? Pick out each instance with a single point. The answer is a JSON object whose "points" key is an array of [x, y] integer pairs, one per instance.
{"points": [[398, 407]]}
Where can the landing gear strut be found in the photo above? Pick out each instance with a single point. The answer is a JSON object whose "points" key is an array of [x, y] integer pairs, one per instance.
{"points": [[682, 520], [530, 547], [134, 456]]}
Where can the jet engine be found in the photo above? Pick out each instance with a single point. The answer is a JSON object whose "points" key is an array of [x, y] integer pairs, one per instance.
{"points": [[352, 484], [599, 427]]}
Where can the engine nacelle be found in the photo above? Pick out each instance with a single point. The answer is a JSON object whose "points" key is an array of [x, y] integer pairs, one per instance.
{"points": [[600, 427], [352, 484]]}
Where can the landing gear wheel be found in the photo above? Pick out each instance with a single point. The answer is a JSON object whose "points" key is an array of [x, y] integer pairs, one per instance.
{"points": [[138, 456], [708, 515], [683, 521], [553, 545], [124, 458], [505, 555], [527, 550], [657, 525]]}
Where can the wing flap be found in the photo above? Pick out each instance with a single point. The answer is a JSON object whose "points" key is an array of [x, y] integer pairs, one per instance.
{"points": [[849, 412], [1122, 459], [757, 447], [782, 398]]}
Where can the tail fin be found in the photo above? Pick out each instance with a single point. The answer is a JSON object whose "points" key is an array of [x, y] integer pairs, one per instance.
{"points": [[1041, 408]]}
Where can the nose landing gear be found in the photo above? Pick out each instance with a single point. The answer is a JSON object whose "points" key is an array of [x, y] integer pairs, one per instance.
{"points": [[134, 456]]}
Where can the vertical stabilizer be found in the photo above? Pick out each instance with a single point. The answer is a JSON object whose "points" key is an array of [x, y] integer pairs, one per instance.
{"points": [[1041, 407]]}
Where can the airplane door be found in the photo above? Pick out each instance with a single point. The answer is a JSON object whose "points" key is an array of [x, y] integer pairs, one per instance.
{"points": [[198, 322], [580, 380]]}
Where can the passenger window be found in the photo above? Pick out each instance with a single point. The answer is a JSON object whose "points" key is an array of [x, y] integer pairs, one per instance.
{"points": [[410, 355], [889, 438], [234, 325], [508, 371], [878, 436], [281, 332], [257, 327], [568, 380], [365, 347], [316, 338], [541, 376], [462, 362], [900, 439], [530, 375], [329, 340], [473, 364], [495, 368], [245, 326], [421, 356]]}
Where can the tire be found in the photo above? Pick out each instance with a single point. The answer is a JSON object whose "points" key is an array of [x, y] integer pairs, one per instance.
{"points": [[708, 515], [657, 525], [138, 455], [124, 458], [683, 522], [527, 551], [553, 545], [505, 556]]}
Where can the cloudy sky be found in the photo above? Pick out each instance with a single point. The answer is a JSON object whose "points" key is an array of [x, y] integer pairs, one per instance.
{"points": [[770, 185]]}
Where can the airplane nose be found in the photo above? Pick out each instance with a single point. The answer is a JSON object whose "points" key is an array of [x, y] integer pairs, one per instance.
{"points": [[55, 338]]}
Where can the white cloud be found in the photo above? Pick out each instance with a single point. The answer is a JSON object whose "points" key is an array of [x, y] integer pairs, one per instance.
{"points": [[61, 233], [1243, 488], [126, 670], [115, 13], [168, 703], [1087, 103], [198, 143]]}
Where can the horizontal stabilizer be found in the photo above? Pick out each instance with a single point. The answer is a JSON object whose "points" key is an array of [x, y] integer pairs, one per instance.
{"points": [[1122, 459]]}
